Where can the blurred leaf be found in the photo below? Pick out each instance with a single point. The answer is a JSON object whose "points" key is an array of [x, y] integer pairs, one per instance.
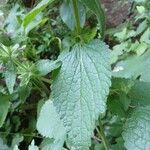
{"points": [[88, 34], [11, 22], [49, 124], [16, 140], [146, 36], [140, 94], [118, 105], [142, 26], [27, 71], [50, 144], [35, 23], [35, 11], [141, 9], [24, 92], [136, 129], [117, 51], [119, 145], [10, 77], [15, 147], [3, 146], [125, 34], [67, 14], [129, 68], [45, 66], [99, 147], [4, 106], [95, 6]]}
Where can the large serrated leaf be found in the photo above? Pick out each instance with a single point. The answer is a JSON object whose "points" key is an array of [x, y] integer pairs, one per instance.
{"points": [[136, 130], [80, 90]]}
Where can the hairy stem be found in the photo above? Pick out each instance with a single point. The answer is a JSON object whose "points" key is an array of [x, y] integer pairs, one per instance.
{"points": [[102, 136], [77, 17]]}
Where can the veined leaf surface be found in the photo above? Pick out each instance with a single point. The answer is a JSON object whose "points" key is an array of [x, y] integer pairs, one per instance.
{"points": [[136, 130], [80, 90]]}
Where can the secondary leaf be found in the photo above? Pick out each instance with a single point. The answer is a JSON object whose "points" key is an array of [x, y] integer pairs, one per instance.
{"points": [[4, 106], [67, 14], [50, 144], [3, 146], [140, 94], [34, 12], [129, 67], [80, 90], [10, 77], [136, 130], [95, 6], [45, 66], [49, 124]]}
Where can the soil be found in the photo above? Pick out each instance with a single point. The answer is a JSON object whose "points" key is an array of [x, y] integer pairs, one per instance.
{"points": [[117, 11]]}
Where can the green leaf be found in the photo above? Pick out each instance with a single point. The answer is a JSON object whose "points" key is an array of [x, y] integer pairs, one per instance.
{"points": [[117, 51], [140, 9], [17, 139], [80, 90], [34, 12], [129, 68], [4, 106], [142, 26], [119, 145], [50, 144], [119, 104], [49, 124], [146, 36], [125, 34], [136, 132], [10, 77], [67, 14], [45, 66], [16, 148], [95, 6], [3, 146], [27, 71], [11, 22], [32, 146], [140, 94], [38, 20]]}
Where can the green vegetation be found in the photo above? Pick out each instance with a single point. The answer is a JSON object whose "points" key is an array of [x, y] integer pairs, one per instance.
{"points": [[70, 82]]}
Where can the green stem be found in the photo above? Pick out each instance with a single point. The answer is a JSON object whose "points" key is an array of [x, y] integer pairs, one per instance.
{"points": [[24, 134], [46, 80], [40, 84], [77, 17], [102, 136]]}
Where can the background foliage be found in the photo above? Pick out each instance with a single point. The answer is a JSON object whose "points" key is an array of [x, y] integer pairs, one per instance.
{"points": [[56, 89]]}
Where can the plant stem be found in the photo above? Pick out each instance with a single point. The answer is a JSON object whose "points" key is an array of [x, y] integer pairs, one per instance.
{"points": [[24, 134], [46, 80], [102, 135], [77, 17]]}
